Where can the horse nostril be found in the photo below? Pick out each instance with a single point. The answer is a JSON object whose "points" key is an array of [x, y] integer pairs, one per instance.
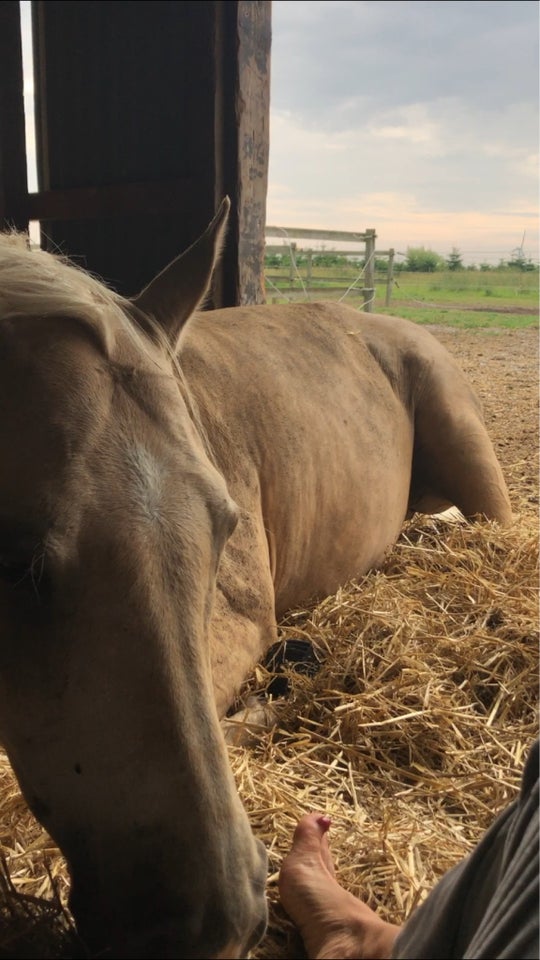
{"points": [[257, 933]]}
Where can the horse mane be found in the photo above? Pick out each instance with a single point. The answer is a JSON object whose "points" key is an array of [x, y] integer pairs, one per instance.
{"points": [[35, 283]]}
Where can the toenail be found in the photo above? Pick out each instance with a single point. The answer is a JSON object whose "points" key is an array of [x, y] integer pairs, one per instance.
{"points": [[324, 822]]}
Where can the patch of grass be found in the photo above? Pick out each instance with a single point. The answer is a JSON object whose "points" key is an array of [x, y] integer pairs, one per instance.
{"points": [[465, 319], [426, 298]]}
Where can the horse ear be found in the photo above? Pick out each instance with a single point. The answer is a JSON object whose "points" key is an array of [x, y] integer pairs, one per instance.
{"points": [[172, 296]]}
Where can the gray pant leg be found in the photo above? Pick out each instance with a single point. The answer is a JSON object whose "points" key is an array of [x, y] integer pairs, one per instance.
{"points": [[486, 908]]}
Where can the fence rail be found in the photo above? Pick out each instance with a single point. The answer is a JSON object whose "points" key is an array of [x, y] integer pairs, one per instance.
{"points": [[364, 239]]}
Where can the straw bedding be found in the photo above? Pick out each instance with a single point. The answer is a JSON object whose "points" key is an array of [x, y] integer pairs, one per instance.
{"points": [[410, 722]]}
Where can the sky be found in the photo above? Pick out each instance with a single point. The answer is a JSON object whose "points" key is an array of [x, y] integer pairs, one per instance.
{"points": [[417, 118]]}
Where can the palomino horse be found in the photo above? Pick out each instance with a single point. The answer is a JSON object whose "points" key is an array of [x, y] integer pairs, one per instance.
{"points": [[167, 489]]}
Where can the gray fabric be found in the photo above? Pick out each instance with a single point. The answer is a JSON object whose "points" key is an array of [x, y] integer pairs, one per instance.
{"points": [[486, 908]]}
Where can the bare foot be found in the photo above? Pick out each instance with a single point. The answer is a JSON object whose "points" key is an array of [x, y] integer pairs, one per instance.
{"points": [[332, 922]]}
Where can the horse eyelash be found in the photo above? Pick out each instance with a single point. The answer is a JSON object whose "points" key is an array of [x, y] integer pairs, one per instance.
{"points": [[16, 573], [37, 564]]}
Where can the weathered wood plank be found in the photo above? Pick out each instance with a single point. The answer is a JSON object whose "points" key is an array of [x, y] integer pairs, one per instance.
{"points": [[309, 234], [125, 99], [253, 113], [115, 200], [318, 251], [243, 38], [13, 177]]}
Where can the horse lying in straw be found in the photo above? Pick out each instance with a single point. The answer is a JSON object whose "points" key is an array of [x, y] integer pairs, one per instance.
{"points": [[169, 486]]}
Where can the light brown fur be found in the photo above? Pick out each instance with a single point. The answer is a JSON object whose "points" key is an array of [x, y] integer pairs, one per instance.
{"points": [[169, 487]]}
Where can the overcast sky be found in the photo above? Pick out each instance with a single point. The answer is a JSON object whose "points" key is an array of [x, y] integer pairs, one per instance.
{"points": [[417, 118]]}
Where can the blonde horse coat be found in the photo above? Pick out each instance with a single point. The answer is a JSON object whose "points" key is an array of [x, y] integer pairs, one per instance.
{"points": [[169, 484]]}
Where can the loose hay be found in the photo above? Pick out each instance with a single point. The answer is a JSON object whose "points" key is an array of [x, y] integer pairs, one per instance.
{"points": [[412, 734]]}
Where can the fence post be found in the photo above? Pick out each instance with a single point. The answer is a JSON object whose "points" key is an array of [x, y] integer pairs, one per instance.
{"points": [[292, 255], [309, 265], [390, 276], [368, 290]]}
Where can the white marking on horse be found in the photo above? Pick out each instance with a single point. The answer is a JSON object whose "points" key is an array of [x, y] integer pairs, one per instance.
{"points": [[146, 487]]}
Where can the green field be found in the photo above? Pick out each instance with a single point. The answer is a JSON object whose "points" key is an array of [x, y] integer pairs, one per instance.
{"points": [[462, 298]]}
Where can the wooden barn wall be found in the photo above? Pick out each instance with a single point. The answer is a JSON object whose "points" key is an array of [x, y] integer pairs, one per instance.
{"points": [[147, 113], [13, 182], [123, 100]]}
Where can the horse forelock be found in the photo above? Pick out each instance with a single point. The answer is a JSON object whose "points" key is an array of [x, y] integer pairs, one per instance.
{"points": [[36, 283]]}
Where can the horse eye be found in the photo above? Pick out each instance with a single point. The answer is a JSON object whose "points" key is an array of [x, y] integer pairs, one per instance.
{"points": [[22, 556], [14, 572], [25, 574]]}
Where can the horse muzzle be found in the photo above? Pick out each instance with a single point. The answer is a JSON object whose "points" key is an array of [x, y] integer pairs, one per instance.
{"points": [[222, 926], [168, 940]]}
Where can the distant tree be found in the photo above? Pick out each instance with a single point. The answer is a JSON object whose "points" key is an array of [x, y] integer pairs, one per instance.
{"points": [[421, 260], [519, 261], [329, 259], [454, 260], [273, 259], [484, 267]]}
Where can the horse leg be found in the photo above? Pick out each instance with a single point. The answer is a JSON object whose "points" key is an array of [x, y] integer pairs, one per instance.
{"points": [[453, 459], [245, 727]]}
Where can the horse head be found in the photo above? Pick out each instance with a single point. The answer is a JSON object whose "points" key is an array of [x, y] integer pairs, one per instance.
{"points": [[113, 518]]}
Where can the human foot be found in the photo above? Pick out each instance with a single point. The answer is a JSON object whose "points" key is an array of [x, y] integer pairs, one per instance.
{"points": [[331, 921]]}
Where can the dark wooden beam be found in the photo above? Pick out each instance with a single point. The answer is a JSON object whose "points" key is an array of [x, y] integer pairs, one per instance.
{"points": [[13, 179], [115, 200], [125, 95]]}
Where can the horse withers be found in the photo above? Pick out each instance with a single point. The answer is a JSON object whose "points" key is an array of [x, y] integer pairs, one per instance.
{"points": [[171, 482]]}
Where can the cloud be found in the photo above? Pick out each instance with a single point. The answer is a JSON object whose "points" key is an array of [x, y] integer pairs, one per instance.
{"points": [[433, 106], [393, 53]]}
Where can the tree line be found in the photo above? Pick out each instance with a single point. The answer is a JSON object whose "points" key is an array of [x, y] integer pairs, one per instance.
{"points": [[417, 260], [422, 260]]}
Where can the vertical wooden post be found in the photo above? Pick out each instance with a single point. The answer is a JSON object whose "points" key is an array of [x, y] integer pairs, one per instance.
{"points": [[368, 290], [253, 119], [389, 276], [13, 182], [292, 267], [309, 269], [243, 36]]}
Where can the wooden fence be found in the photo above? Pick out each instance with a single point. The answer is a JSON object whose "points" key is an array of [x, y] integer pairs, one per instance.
{"points": [[365, 241]]}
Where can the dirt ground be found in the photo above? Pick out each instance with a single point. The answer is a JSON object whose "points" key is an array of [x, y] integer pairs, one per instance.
{"points": [[503, 367]]}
